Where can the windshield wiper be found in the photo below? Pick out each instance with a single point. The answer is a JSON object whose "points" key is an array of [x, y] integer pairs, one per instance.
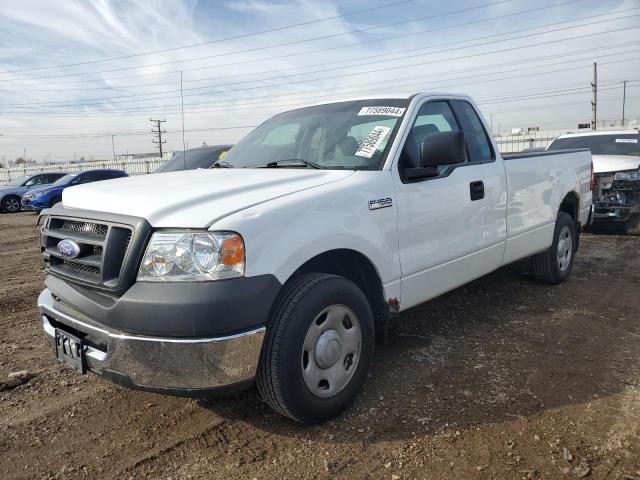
{"points": [[221, 164], [294, 160]]}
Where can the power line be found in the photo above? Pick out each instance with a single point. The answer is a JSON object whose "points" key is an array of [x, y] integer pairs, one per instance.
{"points": [[361, 72], [324, 37], [359, 64], [220, 40], [308, 52], [404, 50], [549, 93], [396, 83]]}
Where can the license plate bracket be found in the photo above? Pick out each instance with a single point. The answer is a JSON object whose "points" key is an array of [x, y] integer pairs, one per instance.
{"points": [[70, 351]]}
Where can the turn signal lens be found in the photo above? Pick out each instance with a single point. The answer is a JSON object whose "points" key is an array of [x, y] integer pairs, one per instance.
{"points": [[232, 251]]}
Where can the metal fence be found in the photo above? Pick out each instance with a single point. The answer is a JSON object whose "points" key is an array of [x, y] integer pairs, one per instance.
{"points": [[513, 143], [132, 167], [517, 143]]}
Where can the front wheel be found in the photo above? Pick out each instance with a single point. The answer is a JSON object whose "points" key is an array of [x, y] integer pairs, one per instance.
{"points": [[10, 204], [554, 264], [632, 226], [318, 347]]}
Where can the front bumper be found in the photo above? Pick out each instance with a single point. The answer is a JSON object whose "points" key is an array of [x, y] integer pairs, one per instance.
{"points": [[177, 366], [36, 204]]}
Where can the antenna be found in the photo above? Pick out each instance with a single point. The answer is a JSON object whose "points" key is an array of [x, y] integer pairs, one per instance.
{"points": [[184, 148]]}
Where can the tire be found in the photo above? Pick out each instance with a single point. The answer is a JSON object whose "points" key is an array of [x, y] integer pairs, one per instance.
{"points": [[555, 264], [632, 226], [11, 204], [300, 349]]}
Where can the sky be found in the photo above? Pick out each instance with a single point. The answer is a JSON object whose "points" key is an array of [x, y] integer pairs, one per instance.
{"points": [[83, 78]]}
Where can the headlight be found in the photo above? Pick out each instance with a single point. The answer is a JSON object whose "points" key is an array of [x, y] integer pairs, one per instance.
{"points": [[629, 176], [192, 257]]}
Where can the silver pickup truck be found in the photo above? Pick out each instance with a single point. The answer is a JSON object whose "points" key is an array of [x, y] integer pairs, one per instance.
{"points": [[616, 167]]}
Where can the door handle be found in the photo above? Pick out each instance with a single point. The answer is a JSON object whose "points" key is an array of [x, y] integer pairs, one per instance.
{"points": [[476, 189]]}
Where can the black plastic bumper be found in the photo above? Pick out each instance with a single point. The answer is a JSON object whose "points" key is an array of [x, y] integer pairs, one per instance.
{"points": [[190, 309]]}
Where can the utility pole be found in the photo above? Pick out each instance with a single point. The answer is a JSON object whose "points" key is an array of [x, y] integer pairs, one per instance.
{"points": [[158, 131], [113, 146], [594, 102], [624, 98]]}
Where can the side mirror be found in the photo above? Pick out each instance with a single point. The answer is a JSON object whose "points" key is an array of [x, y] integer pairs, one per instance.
{"points": [[439, 148]]}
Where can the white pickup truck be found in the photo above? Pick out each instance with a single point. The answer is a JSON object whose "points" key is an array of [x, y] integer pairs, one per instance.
{"points": [[616, 173], [282, 265]]}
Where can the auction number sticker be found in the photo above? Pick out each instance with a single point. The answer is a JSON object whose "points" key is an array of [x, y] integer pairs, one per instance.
{"points": [[372, 142], [389, 111], [626, 140]]}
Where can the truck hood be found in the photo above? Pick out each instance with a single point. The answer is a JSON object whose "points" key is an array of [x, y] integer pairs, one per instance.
{"points": [[615, 163], [195, 198]]}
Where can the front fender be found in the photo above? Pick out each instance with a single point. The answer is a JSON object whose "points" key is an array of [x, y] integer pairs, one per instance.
{"points": [[283, 234]]}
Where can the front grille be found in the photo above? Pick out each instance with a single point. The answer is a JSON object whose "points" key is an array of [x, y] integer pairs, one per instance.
{"points": [[102, 246], [85, 227]]}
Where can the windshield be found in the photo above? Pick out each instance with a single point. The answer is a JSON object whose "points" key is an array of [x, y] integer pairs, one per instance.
{"points": [[347, 135], [196, 158], [66, 179], [613, 144], [18, 181]]}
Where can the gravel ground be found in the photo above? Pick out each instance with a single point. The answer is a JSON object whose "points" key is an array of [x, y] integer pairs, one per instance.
{"points": [[503, 378]]}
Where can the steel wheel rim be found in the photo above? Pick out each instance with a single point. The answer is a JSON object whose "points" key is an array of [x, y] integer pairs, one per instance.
{"points": [[12, 205], [565, 249], [331, 351]]}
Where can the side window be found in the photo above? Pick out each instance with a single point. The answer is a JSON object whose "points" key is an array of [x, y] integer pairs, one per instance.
{"points": [[86, 178], [432, 117], [478, 143], [32, 181]]}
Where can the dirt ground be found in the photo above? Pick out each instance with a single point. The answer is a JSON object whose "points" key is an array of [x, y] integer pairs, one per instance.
{"points": [[504, 378]]}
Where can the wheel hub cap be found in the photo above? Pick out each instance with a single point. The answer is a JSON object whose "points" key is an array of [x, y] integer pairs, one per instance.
{"points": [[331, 351], [565, 249], [328, 348]]}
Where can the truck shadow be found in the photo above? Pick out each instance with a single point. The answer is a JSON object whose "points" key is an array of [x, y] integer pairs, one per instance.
{"points": [[501, 348]]}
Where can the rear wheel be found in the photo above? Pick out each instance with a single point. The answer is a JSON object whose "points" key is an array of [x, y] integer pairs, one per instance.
{"points": [[554, 265], [632, 226], [10, 204], [318, 347]]}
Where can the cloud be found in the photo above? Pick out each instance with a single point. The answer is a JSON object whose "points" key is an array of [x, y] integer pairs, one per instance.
{"points": [[244, 80]]}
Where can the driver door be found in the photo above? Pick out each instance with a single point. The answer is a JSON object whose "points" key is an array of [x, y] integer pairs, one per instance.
{"points": [[441, 220]]}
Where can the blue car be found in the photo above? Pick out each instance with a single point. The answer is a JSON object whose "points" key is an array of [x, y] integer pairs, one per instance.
{"points": [[45, 197], [11, 193]]}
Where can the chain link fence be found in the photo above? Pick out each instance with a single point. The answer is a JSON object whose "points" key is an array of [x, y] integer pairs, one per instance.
{"points": [[132, 167]]}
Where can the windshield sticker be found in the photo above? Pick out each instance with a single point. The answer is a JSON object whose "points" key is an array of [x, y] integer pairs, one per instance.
{"points": [[372, 142], [626, 140], [390, 111]]}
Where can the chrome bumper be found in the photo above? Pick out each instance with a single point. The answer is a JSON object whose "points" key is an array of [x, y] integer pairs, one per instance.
{"points": [[170, 365]]}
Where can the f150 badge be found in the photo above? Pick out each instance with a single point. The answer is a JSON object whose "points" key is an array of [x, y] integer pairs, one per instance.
{"points": [[380, 203]]}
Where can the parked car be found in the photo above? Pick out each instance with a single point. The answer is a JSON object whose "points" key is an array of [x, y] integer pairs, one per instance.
{"points": [[11, 193], [285, 265], [47, 196], [201, 157], [616, 166]]}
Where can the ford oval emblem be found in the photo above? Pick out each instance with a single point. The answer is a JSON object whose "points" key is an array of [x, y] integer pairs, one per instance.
{"points": [[68, 248]]}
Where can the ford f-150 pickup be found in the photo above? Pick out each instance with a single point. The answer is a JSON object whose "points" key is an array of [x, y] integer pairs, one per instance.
{"points": [[283, 263]]}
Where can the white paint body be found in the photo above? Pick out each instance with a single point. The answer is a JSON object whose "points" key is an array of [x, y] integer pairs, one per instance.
{"points": [[432, 238]]}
